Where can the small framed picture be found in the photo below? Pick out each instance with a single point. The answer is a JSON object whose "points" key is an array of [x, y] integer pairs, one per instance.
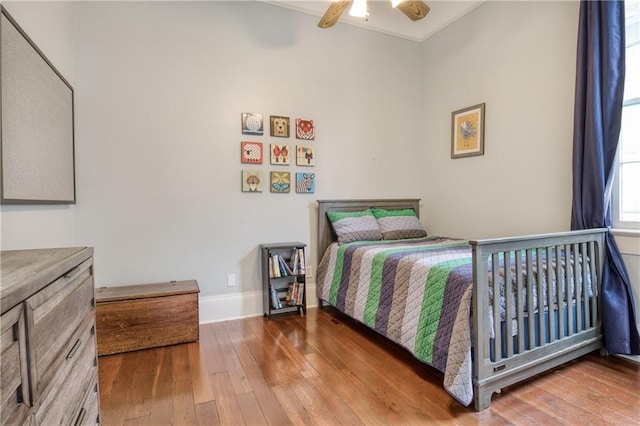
{"points": [[305, 129], [467, 131], [252, 124], [305, 156], [280, 154], [251, 181], [281, 182], [279, 126], [251, 152], [306, 183]]}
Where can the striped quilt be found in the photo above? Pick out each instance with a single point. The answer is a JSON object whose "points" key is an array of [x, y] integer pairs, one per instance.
{"points": [[415, 292]]}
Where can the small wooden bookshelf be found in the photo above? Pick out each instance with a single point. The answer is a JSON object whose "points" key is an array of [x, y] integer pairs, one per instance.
{"points": [[283, 278]]}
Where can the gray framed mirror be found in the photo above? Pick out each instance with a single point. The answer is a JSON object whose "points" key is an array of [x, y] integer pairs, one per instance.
{"points": [[37, 160]]}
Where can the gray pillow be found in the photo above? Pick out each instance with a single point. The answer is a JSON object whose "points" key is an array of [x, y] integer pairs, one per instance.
{"points": [[355, 226], [398, 224]]}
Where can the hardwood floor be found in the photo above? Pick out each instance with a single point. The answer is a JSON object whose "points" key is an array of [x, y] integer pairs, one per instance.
{"points": [[326, 369]]}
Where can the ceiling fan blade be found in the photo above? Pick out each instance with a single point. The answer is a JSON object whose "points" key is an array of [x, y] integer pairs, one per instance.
{"points": [[415, 10], [332, 14]]}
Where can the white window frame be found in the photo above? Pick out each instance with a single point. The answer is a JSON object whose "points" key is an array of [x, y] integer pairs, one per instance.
{"points": [[615, 189], [617, 222]]}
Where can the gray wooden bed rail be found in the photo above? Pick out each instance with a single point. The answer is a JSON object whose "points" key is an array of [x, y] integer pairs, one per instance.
{"points": [[566, 323], [538, 343]]}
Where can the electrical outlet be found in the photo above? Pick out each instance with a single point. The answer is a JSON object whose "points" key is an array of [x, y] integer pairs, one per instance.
{"points": [[231, 280], [309, 271]]}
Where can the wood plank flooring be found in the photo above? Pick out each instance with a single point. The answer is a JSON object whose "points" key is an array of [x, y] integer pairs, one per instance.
{"points": [[326, 369]]}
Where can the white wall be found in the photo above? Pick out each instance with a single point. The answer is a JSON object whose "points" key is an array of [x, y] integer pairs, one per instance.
{"points": [[519, 59], [50, 26], [160, 90]]}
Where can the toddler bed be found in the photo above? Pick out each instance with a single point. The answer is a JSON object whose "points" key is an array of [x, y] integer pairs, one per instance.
{"points": [[435, 296]]}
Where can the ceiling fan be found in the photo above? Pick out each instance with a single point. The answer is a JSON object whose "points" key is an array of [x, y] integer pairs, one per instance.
{"points": [[414, 9]]}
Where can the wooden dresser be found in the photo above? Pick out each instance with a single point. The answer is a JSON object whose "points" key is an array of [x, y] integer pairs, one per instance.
{"points": [[49, 371]]}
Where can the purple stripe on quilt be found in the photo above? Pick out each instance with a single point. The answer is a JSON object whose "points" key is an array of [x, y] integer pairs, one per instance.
{"points": [[347, 266], [344, 281], [387, 290], [458, 282]]}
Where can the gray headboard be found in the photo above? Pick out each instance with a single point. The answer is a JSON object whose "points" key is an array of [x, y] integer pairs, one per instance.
{"points": [[325, 232]]}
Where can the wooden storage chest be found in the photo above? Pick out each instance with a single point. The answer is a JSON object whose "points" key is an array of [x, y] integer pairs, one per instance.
{"points": [[143, 316]]}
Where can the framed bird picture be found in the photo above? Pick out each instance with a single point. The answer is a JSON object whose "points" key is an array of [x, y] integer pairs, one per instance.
{"points": [[467, 131]]}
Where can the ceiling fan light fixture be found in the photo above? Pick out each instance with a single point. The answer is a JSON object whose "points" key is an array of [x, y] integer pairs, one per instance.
{"points": [[359, 9], [413, 9]]}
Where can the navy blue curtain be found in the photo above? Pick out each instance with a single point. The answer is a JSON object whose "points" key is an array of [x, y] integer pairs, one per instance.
{"points": [[600, 75]]}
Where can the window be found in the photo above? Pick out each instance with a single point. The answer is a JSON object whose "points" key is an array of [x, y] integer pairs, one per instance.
{"points": [[626, 192]]}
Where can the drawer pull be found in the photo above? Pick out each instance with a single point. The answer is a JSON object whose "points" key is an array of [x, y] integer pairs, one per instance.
{"points": [[19, 397], [74, 349], [77, 271], [81, 415]]}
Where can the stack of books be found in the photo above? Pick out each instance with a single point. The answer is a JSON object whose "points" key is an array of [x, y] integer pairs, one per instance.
{"points": [[280, 267]]}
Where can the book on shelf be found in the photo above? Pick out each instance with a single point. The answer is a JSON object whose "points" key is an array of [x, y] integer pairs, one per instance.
{"points": [[294, 261], [275, 266], [279, 267], [301, 261], [284, 267], [295, 294], [288, 298], [300, 294], [275, 300]]}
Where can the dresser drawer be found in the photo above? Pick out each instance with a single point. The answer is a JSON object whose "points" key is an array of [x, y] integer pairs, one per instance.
{"points": [[13, 373], [62, 402], [88, 413], [54, 315]]}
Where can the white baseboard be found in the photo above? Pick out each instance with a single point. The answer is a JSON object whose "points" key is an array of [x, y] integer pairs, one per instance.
{"points": [[632, 358], [240, 305]]}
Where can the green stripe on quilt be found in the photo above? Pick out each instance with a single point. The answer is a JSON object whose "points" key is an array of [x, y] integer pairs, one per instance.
{"points": [[375, 280], [430, 317], [339, 268]]}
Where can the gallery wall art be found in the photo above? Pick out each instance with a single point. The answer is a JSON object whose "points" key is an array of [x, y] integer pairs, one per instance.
{"points": [[305, 182], [305, 129], [279, 154], [305, 156], [252, 181], [280, 182], [252, 123], [251, 152], [279, 126]]}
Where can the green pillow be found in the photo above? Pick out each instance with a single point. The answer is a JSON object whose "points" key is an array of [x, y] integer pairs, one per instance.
{"points": [[355, 226], [399, 224]]}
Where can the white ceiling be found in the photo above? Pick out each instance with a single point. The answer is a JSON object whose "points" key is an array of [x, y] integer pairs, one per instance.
{"points": [[383, 18]]}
